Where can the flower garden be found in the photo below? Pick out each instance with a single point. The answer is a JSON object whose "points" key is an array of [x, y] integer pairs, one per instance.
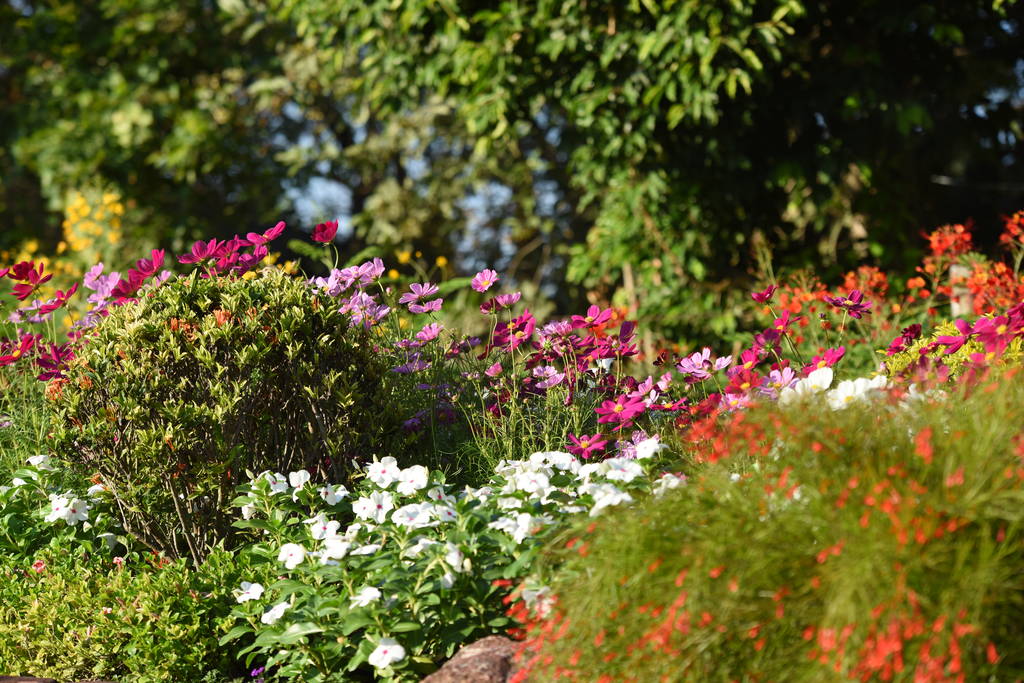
{"points": [[220, 467]]}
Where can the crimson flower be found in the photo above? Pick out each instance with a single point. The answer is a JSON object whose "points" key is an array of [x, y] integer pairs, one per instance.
{"points": [[743, 381], [29, 276], [325, 232], [58, 300]]}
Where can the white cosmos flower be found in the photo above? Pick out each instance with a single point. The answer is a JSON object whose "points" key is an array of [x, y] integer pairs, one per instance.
{"points": [[292, 554], [274, 613], [387, 653], [413, 516], [278, 483], [412, 479], [250, 591], [365, 596], [383, 472], [298, 479], [621, 469], [332, 494], [376, 506], [852, 390], [814, 383]]}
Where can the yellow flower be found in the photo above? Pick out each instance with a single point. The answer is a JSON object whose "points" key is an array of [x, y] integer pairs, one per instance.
{"points": [[441, 261], [404, 257], [392, 274]]}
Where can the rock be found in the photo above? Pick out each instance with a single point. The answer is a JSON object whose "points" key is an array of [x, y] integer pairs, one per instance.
{"points": [[488, 660]]}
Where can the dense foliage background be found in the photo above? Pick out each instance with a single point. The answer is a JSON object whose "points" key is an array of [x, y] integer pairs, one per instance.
{"points": [[645, 153]]}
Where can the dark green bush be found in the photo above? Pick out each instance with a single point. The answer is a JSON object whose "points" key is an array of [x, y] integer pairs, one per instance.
{"points": [[178, 394]]}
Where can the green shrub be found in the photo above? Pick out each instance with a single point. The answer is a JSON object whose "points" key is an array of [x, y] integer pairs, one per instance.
{"points": [[178, 394], [883, 541], [959, 360], [75, 617]]}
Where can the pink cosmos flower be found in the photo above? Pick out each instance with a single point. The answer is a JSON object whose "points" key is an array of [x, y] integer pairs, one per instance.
{"points": [[483, 280], [995, 333], [827, 360], [325, 232], [429, 332], [494, 370]]}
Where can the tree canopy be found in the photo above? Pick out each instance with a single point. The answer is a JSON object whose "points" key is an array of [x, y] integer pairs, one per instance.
{"points": [[642, 151]]}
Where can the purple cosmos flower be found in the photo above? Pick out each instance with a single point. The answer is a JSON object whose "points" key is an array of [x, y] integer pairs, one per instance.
{"points": [[334, 284], [201, 251], [366, 273], [414, 363], [695, 367], [594, 317], [765, 296], [853, 304], [953, 343], [419, 291], [586, 445], [549, 376], [483, 280], [433, 306], [777, 381], [363, 309], [325, 232]]}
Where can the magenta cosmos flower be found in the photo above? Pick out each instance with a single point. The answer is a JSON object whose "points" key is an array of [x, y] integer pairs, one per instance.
{"points": [[621, 411], [594, 317], [586, 445], [483, 280], [256, 239], [765, 296], [201, 251]]}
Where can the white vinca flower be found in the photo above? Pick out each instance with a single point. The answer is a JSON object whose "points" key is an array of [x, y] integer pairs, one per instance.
{"points": [[667, 482], [68, 508], [453, 556], [292, 554], [274, 613], [249, 591], [532, 482], [247, 510], [335, 548], [42, 462], [383, 472], [298, 479], [278, 483], [376, 506], [388, 652], [321, 528], [606, 495], [365, 596], [621, 469], [418, 545], [412, 479], [368, 549], [333, 494], [413, 516]]}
